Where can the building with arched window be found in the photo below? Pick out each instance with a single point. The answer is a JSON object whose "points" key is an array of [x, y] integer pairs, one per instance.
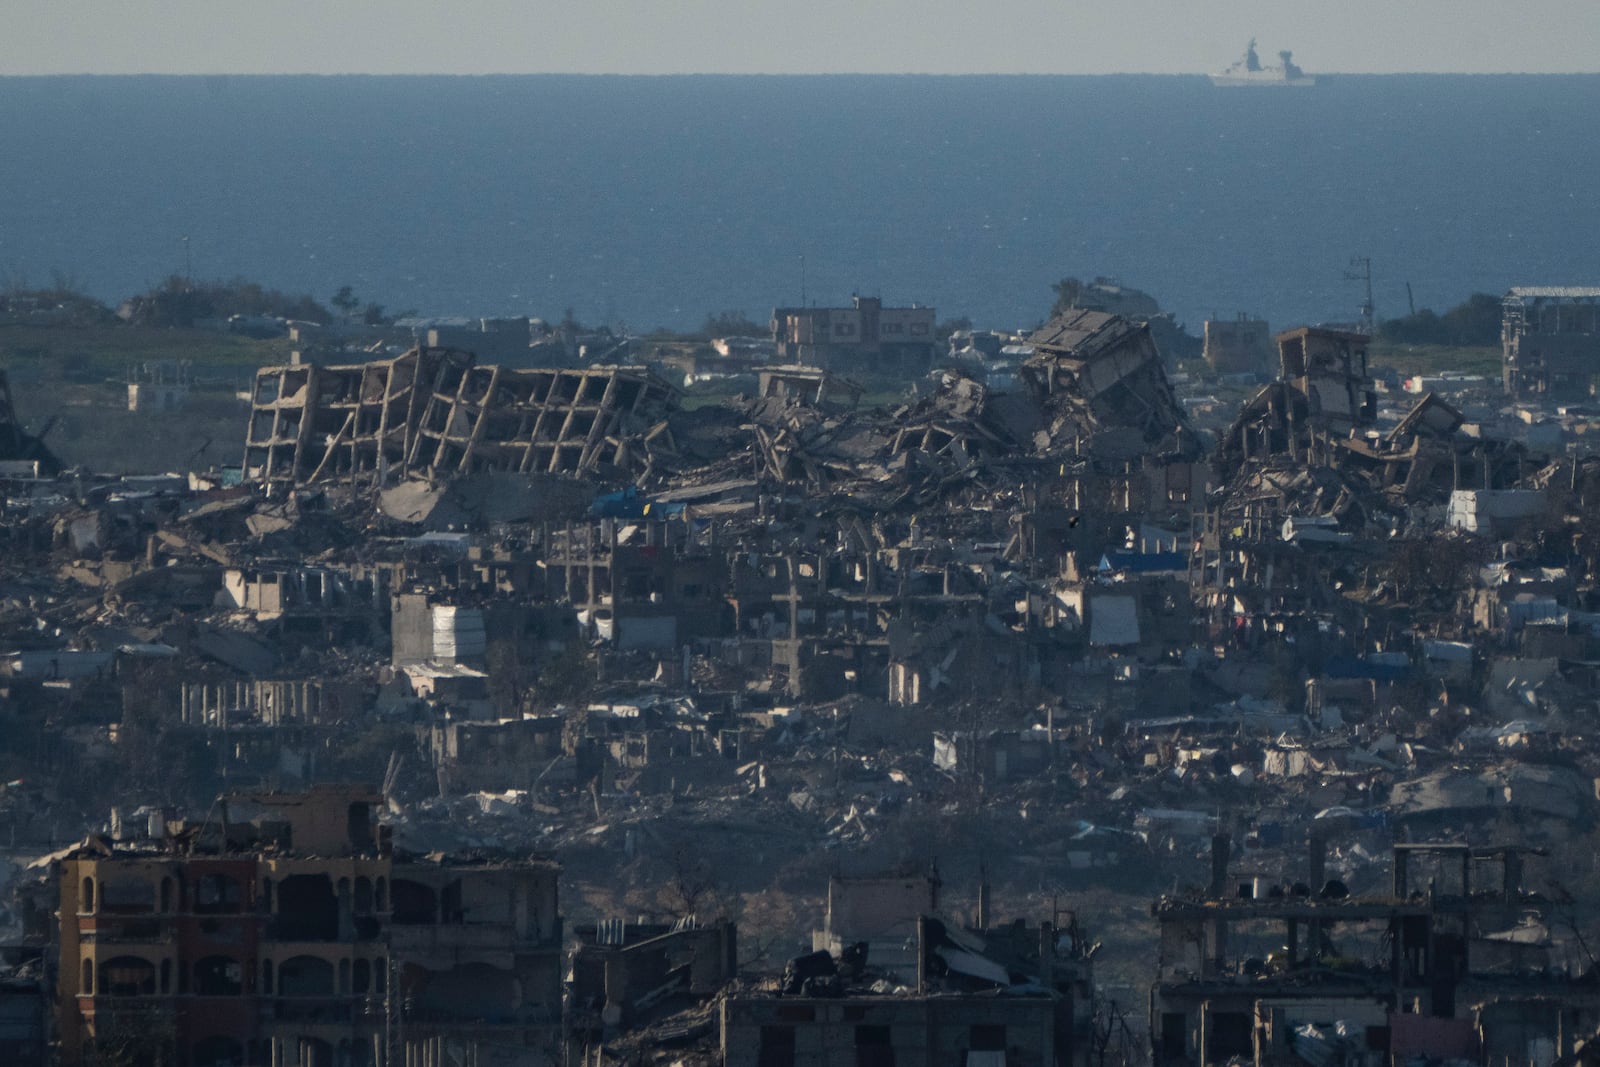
{"points": [[285, 929]]}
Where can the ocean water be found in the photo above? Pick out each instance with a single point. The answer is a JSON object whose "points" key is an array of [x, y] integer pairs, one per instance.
{"points": [[652, 201]]}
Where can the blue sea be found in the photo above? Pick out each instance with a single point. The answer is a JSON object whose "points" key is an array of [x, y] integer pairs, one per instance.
{"points": [[652, 201]]}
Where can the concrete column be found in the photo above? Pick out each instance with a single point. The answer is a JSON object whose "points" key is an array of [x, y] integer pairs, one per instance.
{"points": [[1219, 948], [519, 911], [1047, 955], [1221, 846], [347, 922], [588, 545], [1512, 884], [922, 934]]}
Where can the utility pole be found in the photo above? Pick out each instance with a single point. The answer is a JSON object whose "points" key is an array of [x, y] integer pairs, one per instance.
{"points": [[1360, 270], [188, 263]]}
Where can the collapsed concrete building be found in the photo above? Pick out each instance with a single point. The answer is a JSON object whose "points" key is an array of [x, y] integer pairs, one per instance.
{"points": [[436, 413], [1102, 377], [1302, 470]]}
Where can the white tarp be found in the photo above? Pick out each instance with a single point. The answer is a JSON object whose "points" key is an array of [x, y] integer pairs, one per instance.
{"points": [[973, 965], [458, 633]]}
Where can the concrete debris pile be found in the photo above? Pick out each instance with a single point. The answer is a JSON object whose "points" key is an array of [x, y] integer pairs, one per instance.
{"points": [[1094, 388], [1315, 418]]}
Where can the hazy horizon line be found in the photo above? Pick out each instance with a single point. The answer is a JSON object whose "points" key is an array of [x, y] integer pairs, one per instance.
{"points": [[777, 74]]}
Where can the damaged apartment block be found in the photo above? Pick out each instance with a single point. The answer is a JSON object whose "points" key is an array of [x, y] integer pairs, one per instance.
{"points": [[1437, 966], [434, 413], [892, 985], [284, 929], [1550, 340], [1307, 481]]}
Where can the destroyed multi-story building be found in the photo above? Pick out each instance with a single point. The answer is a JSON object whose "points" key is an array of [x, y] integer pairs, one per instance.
{"points": [[892, 982], [1095, 437], [1329, 369], [1550, 342], [1438, 964], [1101, 376], [437, 413], [621, 970], [1113, 297], [1015, 994], [1307, 483], [286, 929]]}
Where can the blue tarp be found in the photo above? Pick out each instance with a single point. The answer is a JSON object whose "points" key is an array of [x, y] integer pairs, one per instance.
{"points": [[1350, 667], [628, 504], [1143, 562]]}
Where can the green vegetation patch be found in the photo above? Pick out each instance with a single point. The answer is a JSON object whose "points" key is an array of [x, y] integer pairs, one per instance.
{"points": [[99, 351], [1435, 359]]}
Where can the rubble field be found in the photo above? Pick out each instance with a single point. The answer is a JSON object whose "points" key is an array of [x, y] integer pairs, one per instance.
{"points": [[1054, 646]]}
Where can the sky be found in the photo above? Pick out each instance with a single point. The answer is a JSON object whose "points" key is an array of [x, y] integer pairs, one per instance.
{"points": [[791, 36]]}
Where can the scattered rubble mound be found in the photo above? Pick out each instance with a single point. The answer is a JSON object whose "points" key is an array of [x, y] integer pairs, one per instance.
{"points": [[1094, 392]]}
